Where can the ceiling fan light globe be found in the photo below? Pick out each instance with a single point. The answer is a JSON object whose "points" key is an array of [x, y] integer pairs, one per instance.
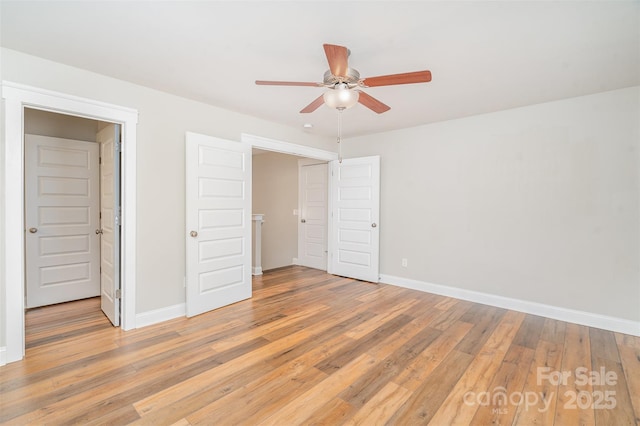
{"points": [[340, 97]]}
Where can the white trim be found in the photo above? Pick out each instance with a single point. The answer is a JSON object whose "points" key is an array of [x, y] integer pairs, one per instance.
{"points": [[17, 97], [310, 162], [288, 148], [160, 315], [590, 319], [3, 355], [256, 270]]}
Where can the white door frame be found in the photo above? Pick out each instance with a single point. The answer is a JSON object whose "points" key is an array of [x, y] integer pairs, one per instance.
{"points": [[288, 148], [301, 151], [16, 98]]}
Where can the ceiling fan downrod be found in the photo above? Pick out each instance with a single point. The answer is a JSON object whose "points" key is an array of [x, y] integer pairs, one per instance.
{"points": [[340, 134]]}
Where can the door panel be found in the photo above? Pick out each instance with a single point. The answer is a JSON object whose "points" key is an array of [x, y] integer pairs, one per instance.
{"points": [[355, 218], [109, 139], [218, 199], [312, 226], [62, 214]]}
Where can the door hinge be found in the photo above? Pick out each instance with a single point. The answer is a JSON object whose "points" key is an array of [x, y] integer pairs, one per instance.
{"points": [[118, 147], [118, 215], [118, 294]]}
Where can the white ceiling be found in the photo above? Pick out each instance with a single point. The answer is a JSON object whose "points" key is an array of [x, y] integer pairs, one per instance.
{"points": [[484, 56]]}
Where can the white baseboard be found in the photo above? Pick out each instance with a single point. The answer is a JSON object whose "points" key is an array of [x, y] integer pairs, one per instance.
{"points": [[3, 356], [256, 270], [159, 315], [619, 325], [294, 261]]}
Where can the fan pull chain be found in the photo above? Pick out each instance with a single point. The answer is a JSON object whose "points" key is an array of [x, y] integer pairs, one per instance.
{"points": [[340, 135]]}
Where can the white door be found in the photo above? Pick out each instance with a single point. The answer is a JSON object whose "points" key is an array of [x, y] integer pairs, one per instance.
{"points": [[312, 223], [109, 140], [62, 215], [218, 200], [355, 210]]}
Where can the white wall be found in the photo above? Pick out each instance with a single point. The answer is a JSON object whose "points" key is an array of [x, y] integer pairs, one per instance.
{"points": [[539, 203], [275, 194], [163, 121]]}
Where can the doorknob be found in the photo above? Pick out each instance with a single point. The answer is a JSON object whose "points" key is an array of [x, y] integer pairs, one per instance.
{"points": [[373, 225], [303, 220], [98, 231], [193, 234], [33, 230]]}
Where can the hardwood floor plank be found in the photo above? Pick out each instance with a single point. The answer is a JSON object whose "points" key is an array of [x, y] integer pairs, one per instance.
{"points": [[508, 381], [577, 354], [423, 403], [331, 338], [379, 409], [419, 369], [610, 397], [378, 320], [255, 400], [48, 386], [553, 331], [458, 407], [629, 349], [300, 409], [180, 401], [333, 412], [359, 346], [529, 332], [314, 349], [266, 329], [541, 409], [120, 392], [364, 388], [485, 319], [608, 381], [451, 315]]}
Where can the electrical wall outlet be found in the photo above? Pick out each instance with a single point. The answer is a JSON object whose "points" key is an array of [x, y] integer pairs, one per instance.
{"points": [[404, 262]]}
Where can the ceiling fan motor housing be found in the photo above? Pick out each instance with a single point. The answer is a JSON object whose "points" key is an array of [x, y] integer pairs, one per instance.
{"points": [[351, 77]]}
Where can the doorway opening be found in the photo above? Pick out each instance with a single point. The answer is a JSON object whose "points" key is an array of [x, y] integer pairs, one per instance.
{"points": [[72, 210], [17, 97], [288, 207], [290, 194]]}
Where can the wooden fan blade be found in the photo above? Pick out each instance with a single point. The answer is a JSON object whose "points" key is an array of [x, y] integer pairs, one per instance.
{"points": [[286, 83], [313, 105], [337, 56], [372, 103], [393, 79]]}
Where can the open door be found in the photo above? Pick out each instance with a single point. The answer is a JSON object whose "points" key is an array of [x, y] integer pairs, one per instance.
{"points": [[312, 224], [61, 217], [218, 222], [109, 139], [355, 215]]}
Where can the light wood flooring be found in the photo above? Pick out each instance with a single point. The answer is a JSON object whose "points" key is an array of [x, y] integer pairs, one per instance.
{"points": [[311, 348]]}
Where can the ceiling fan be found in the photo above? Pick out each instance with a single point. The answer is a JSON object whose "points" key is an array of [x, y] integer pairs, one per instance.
{"points": [[344, 83]]}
